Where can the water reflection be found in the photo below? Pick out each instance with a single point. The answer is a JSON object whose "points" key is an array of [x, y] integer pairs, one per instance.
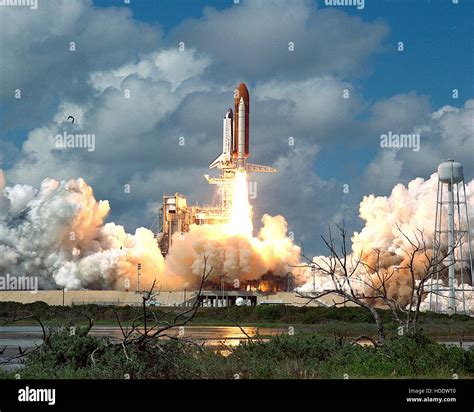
{"points": [[209, 335], [222, 338]]}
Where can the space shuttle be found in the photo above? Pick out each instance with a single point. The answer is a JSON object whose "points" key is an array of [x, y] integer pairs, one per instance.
{"points": [[224, 159], [235, 137]]}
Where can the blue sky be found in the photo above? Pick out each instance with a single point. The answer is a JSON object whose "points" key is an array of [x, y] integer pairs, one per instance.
{"points": [[186, 94], [437, 35]]}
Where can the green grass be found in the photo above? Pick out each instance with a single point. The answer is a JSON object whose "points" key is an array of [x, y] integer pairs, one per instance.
{"points": [[301, 356], [320, 348]]}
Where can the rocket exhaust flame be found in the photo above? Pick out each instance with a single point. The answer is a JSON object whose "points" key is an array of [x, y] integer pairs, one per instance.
{"points": [[240, 217]]}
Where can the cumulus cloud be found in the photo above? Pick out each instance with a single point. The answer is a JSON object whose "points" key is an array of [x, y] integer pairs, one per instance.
{"points": [[171, 65], [447, 132], [38, 61], [183, 94], [326, 41]]}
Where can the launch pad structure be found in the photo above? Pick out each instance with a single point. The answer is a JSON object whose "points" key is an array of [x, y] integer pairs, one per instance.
{"points": [[175, 215], [166, 299]]}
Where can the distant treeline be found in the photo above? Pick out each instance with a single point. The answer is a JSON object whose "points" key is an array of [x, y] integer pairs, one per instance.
{"points": [[264, 314]]}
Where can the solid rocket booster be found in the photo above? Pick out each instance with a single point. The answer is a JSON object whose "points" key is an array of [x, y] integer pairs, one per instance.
{"points": [[228, 140]]}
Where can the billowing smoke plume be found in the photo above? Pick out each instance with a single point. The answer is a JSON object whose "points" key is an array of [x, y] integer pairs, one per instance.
{"points": [[236, 257], [410, 207], [390, 222], [59, 234]]}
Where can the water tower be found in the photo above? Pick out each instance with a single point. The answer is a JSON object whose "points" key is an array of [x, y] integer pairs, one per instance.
{"points": [[452, 239]]}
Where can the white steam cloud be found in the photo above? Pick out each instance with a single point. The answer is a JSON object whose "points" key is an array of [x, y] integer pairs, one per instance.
{"points": [[389, 220], [58, 233], [236, 257]]}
